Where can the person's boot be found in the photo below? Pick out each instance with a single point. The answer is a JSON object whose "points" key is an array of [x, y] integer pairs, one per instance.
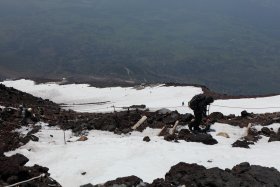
{"points": [[190, 127], [197, 130]]}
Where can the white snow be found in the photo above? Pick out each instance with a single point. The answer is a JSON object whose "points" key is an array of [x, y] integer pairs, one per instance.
{"points": [[255, 105], [153, 97], [106, 156]]}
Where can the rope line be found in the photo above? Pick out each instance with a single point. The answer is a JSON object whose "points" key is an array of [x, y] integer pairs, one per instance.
{"points": [[126, 107], [97, 108], [253, 108], [26, 181], [222, 106]]}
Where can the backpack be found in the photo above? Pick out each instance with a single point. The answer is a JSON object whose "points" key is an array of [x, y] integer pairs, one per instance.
{"points": [[194, 102]]}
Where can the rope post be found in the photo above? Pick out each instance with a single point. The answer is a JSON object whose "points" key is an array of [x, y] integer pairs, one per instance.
{"points": [[128, 113], [64, 137], [208, 110], [114, 108]]}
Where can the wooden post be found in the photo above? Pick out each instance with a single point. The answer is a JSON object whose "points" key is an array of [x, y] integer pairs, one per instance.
{"points": [[208, 111], [64, 137], [172, 131], [142, 120], [247, 130]]}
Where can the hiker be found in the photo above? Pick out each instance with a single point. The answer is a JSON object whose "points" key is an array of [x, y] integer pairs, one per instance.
{"points": [[199, 105], [21, 109], [26, 114]]}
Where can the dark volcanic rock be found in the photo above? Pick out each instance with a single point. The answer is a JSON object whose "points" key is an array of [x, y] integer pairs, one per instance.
{"points": [[170, 137], [187, 117], [12, 170], [183, 134], [241, 168], [242, 175], [274, 138], [88, 185], [138, 106], [195, 175], [160, 183], [203, 138], [34, 138], [266, 131], [186, 135], [146, 139], [257, 175], [242, 144], [199, 137], [18, 159], [231, 116], [253, 135], [244, 114], [216, 115], [124, 181], [253, 132]]}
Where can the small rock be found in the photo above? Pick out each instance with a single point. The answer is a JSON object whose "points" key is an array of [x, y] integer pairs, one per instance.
{"points": [[183, 134], [146, 139], [203, 138], [216, 115], [223, 134], [241, 168], [19, 159], [83, 173], [34, 138], [274, 138], [125, 181], [253, 131], [127, 130], [244, 114], [266, 131], [231, 116], [87, 185], [251, 138], [242, 144], [187, 117], [163, 111], [174, 115], [186, 135], [83, 138], [170, 137]]}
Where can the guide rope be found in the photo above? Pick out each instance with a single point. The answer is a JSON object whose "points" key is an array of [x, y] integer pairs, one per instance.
{"points": [[26, 181], [252, 108], [173, 107]]}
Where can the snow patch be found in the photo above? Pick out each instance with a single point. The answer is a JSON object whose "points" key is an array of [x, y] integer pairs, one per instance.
{"points": [[106, 156], [91, 99]]}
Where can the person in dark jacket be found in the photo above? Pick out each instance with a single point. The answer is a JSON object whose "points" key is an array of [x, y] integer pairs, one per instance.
{"points": [[199, 105]]}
